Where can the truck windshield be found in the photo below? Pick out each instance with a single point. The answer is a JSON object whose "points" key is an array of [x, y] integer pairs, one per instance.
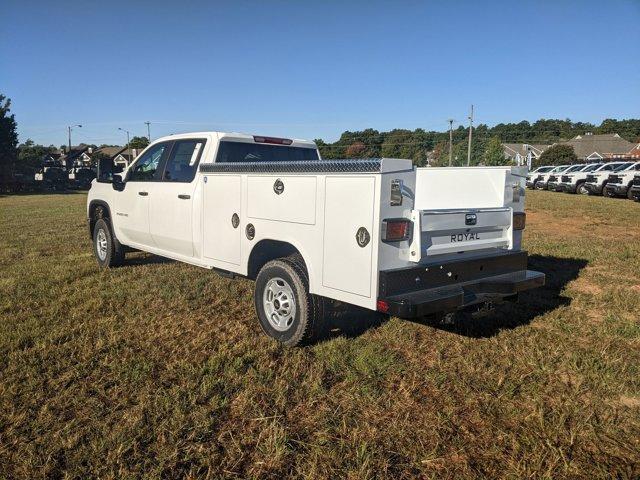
{"points": [[259, 152], [575, 168], [624, 166], [591, 168]]}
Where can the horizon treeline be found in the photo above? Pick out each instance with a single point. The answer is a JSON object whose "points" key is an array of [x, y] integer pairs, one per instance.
{"points": [[416, 144]]}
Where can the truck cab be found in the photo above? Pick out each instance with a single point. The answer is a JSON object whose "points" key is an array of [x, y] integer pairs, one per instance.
{"points": [[379, 234], [619, 183], [598, 179]]}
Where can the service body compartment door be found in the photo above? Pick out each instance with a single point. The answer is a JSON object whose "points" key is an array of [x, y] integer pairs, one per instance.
{"points": [[348, 234], [220, 228]]}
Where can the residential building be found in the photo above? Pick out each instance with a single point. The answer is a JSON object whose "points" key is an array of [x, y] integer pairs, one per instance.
{"points": [[517, 152], [594, 148]]}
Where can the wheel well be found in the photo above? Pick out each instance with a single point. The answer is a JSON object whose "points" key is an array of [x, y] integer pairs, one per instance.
{"points": [[97, 211], [267, 250]]}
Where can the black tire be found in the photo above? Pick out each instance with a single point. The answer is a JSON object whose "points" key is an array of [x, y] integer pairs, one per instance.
{"points": [[106, 248], [307, 324], [629, 193], [582, 189]]}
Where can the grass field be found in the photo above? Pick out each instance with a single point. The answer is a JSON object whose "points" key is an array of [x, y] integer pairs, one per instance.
{"points": [[159, 369]]}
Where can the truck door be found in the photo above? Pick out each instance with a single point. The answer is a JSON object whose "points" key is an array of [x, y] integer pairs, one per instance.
{"points": [[171, 201], [132, 203]]}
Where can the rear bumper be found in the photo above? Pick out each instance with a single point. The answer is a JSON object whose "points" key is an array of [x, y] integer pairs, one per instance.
{"points": [[453, 285]]}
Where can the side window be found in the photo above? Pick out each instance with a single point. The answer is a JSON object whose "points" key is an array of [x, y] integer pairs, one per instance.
{"points": [[145, 168], [183, 161]]}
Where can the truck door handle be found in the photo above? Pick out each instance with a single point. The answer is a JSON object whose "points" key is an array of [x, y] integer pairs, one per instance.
{"points": [[184, 197], [144, 194]]}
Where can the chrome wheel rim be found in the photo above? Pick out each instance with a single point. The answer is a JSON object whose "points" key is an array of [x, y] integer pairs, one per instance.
{"points": [[279, 304], [101, 245], [582, 190]]}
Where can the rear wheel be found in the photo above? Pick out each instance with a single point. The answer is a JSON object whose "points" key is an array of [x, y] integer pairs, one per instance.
{"points": [[285, 308], [106, 248], [582, 189]]}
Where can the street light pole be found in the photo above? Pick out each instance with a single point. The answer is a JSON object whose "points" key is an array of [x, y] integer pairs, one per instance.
{"points": [[128, 142], [470, 130], [450, 141], [148, 123], [69, 128]]}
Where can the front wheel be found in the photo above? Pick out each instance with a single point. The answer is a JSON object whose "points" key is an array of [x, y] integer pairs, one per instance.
{"points": [[106, 248], [630, 193], [582, 189], [285, 308]]}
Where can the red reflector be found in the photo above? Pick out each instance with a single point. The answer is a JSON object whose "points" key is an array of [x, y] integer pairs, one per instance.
{"points": [[274, 140], [395, 230], [382, 306]]}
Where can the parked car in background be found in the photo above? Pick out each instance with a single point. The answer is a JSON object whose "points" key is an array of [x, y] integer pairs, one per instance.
{"points": [[543, 180], [573, 181], [534, 176], [619, 183], [553, 184], [597, 180], [635, 188]]}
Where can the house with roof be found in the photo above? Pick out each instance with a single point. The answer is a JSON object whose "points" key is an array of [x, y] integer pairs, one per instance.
{"points": [[518, 152], [595, 148], [126, 156]]}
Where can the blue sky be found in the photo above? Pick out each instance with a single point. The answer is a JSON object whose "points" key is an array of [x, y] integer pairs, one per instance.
{"points": [[312, 69]]}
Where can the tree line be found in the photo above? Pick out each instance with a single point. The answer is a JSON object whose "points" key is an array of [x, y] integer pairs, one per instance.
{"points": [[417, 145], [486, 145]]}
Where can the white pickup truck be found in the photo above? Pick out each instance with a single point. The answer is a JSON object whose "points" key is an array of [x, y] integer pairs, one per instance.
{"points": [[377, 233], [619, 183], [573, 180], [597, 180]]}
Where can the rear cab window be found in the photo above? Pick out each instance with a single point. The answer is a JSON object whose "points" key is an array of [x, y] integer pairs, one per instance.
{"points": [[230, 151]]}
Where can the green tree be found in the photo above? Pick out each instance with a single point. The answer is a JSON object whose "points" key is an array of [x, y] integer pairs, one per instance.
{"points": [[558, 155], [139, 142], [494, 153], [30, 156], [8, 139]]}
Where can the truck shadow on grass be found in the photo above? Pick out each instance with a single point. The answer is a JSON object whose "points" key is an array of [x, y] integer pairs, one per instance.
{"points": [[352, 322], [531, 304]]}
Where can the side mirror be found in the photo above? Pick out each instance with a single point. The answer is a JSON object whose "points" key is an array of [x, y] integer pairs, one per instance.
{"points": [[117, 182]]}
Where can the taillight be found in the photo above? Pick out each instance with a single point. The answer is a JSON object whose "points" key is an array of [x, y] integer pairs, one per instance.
{"points": [[396, 229], [519, 220], [382, 306], [274, 140]]}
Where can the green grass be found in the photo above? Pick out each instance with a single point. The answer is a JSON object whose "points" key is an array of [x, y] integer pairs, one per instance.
{"points": [[159, 369]]}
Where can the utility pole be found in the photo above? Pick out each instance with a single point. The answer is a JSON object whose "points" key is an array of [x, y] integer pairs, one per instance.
{"points": [[450, 141], [147, 123], [470, 130], [128, 144], [69, 130]]}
